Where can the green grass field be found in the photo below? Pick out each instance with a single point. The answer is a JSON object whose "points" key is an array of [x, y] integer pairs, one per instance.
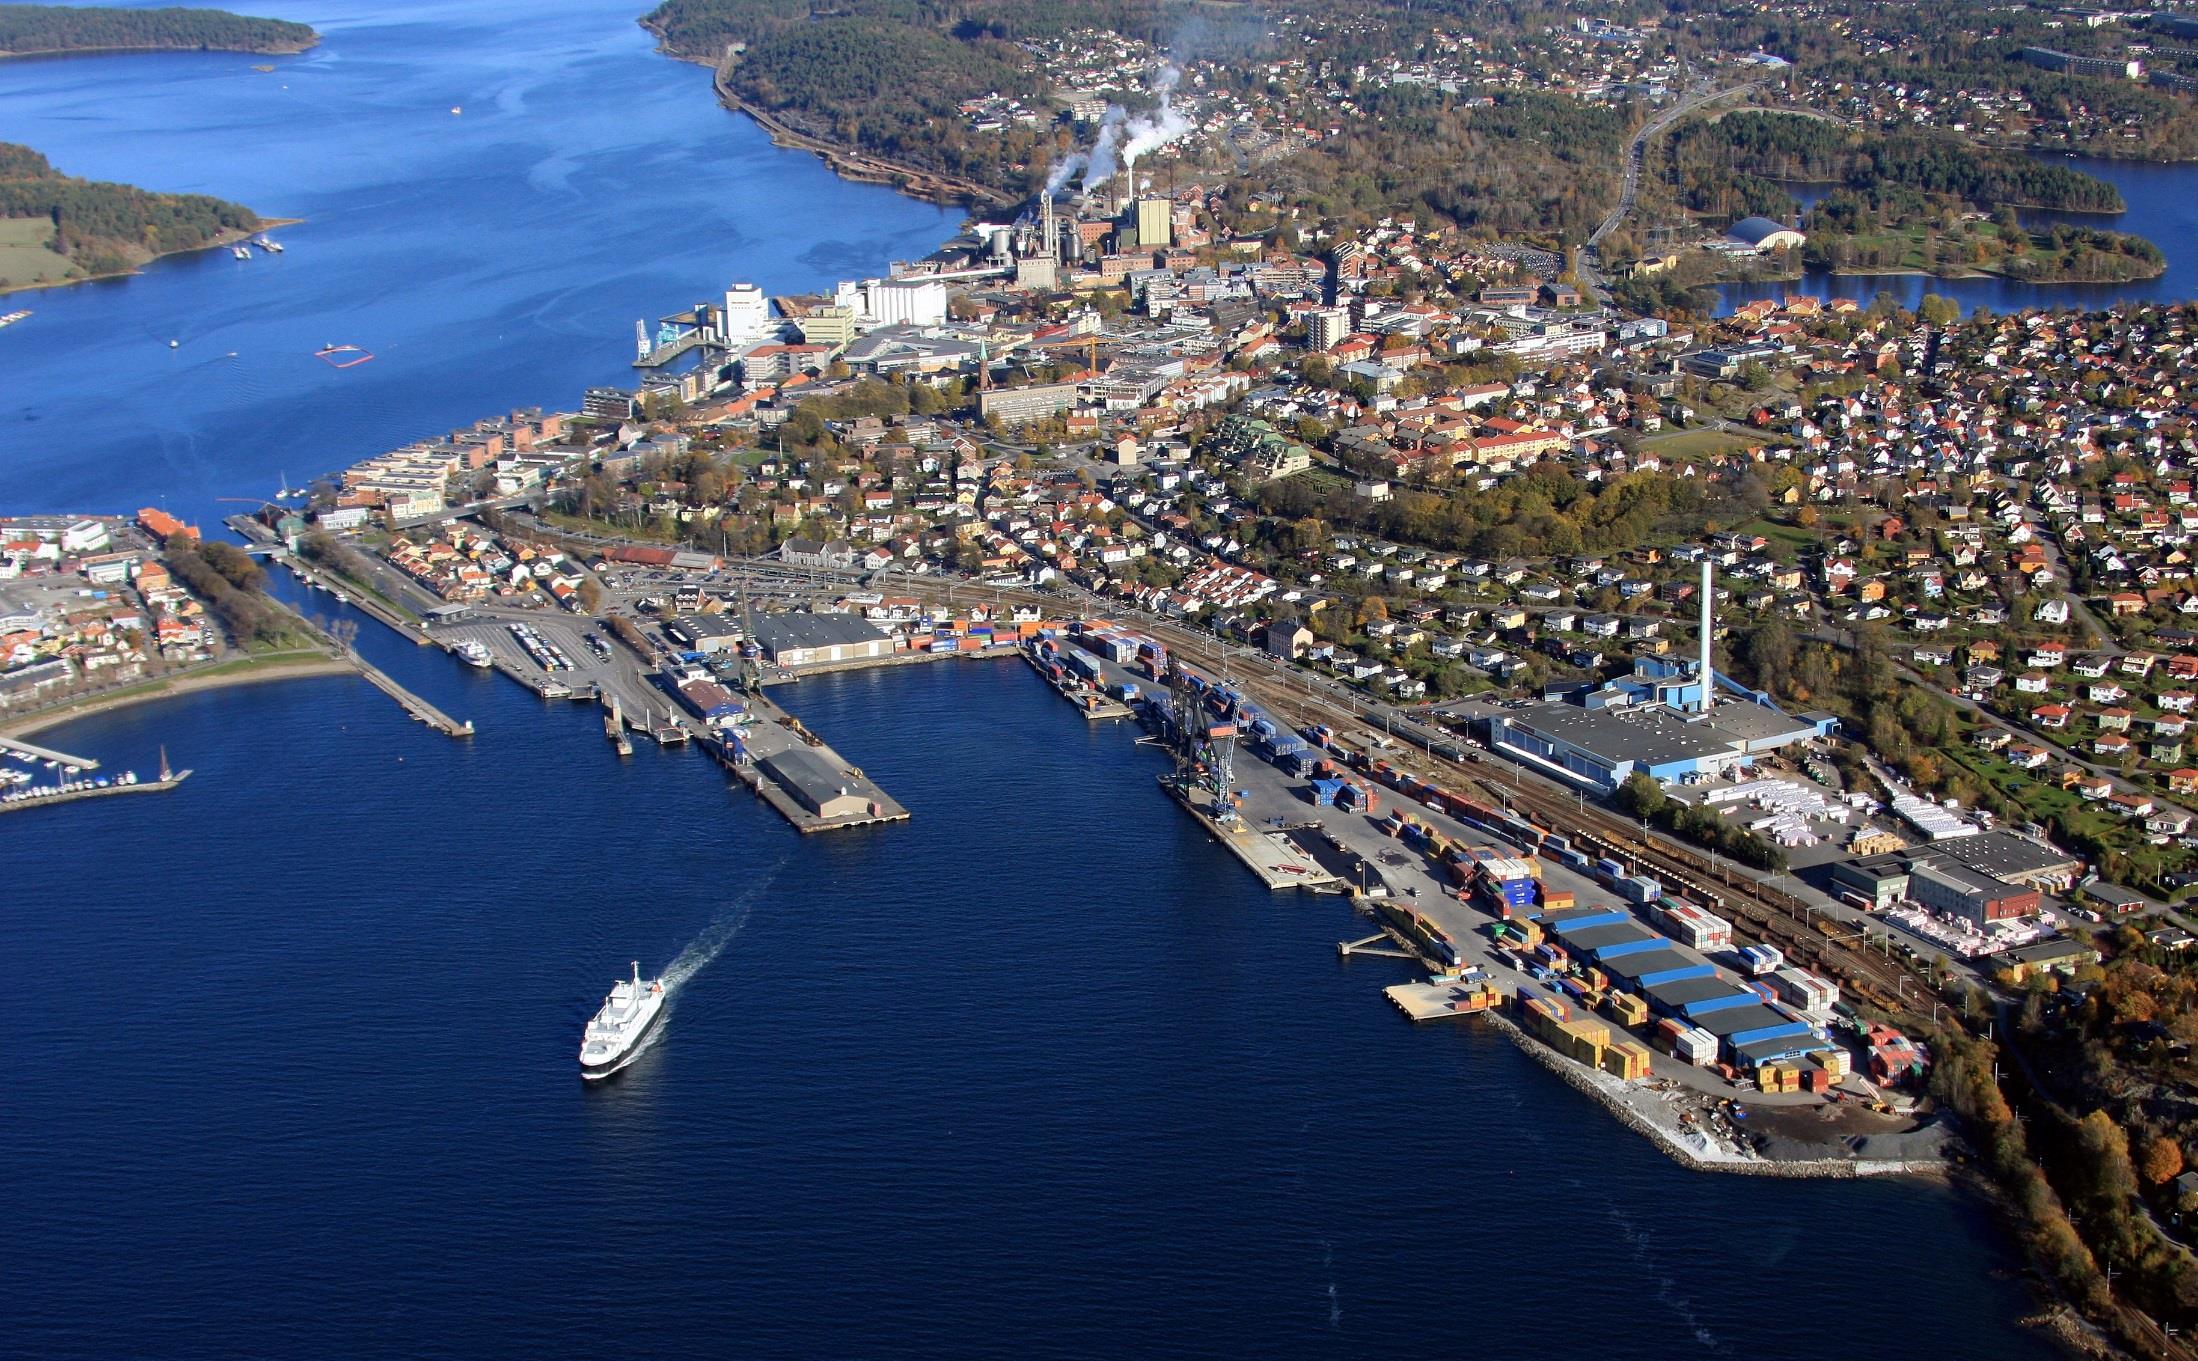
{"points": [[24, 257], [1699, 443]]}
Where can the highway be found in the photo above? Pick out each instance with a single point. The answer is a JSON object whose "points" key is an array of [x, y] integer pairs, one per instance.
{"points": [[1629, 187]]}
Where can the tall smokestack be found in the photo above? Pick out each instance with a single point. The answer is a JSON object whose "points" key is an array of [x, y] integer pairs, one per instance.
{"points": [[1709, 591]]}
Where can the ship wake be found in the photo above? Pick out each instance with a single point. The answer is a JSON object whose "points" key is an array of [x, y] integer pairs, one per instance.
{"points": [[722, 930]]}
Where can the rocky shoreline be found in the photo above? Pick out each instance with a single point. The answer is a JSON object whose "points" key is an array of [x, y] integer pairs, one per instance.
{"points": [[848, 163]]}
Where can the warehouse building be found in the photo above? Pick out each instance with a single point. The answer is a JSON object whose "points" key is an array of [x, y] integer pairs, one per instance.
{"points": [[1684, 984], [1996, 876], [1600, 747], [819, 639], [1972, 895], [814, 783], [2016, 859], [704, 633]]}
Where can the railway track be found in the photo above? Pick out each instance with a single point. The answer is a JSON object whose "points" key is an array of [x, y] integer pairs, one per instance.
{"points": [[1757, 911]]}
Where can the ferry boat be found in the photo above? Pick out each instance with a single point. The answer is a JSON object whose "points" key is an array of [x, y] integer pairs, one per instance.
{"points": [[271, 247], [13, 317], [626, 1016], [473, 653], [241, 252]]}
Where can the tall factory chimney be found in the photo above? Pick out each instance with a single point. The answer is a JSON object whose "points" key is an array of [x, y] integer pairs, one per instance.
{"points": [[1049, 239], [1709, 605]]}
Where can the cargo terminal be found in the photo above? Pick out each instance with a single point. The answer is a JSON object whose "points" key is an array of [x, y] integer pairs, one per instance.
{"points": [[1606, 983]]}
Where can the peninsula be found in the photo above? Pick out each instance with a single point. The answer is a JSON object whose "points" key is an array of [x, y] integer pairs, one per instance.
{"points": [[53, 30], [57, 229]]}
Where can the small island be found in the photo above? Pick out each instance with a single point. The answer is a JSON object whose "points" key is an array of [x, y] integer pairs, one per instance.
{"points": [[1902, 202], [52, 30], [56, 229]]}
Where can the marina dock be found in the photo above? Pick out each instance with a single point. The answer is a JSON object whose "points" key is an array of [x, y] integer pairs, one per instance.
{"points": [[37, 753], [159, 786], [812, 786]]}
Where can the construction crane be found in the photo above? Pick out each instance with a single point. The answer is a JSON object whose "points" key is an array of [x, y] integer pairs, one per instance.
{"points": [[751, 651], [1205, 749]]}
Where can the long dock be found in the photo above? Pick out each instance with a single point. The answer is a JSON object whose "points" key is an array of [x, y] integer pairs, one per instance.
{"points": [[812, 786], [161, 786], [1090, 700], [38, 753], [413, 704], [1278, 862]]}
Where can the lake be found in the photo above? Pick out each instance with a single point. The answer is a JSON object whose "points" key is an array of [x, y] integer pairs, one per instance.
{"points": [[2161, 206]]}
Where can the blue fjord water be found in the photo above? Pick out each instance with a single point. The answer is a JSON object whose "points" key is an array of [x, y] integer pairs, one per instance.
{"points": [[1040, 1072]]}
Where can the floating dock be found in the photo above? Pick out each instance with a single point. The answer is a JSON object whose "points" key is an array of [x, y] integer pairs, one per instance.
{"points": [[1279, 862], [812, 786]]}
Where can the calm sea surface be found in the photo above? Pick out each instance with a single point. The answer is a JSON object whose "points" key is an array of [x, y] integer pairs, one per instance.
{"points": [[2162, 206], [1038, 1073]]}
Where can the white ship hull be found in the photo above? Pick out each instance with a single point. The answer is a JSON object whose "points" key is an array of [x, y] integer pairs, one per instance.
{"points": [[627, 1016]]}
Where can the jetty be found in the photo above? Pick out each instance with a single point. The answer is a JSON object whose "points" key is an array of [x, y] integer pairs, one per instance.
{"points": [[37, 799], [35, 752], [1433, 1001], [412, 704], [790, 768]]}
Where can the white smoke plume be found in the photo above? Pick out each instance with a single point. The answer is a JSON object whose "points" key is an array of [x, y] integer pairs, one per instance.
{"points": [[1065, 169], [1100, 166], [1122, 139]]}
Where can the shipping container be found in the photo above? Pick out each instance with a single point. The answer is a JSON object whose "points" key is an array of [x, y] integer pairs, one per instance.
{"points": [[1761, 959]]}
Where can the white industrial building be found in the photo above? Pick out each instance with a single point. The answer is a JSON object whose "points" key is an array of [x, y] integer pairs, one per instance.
{"points": [[896, 302], [747, 315]]}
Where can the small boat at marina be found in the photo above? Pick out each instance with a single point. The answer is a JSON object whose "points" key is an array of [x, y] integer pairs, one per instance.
{"points": [[626, 1016]]}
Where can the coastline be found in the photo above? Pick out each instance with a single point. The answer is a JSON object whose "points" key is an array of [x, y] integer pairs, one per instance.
{"points": [[845, 161], [128, 50], [221, 242], [1613, 1096], [160, 688]]}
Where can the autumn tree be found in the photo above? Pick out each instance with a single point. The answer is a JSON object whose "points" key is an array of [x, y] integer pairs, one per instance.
{"points": [[2163, 1161]]}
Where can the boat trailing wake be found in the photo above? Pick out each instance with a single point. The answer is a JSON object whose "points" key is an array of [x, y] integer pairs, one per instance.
{"points": [[721, 932]]}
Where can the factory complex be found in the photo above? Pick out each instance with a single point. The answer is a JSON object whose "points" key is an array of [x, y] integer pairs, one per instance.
{"points": [[1659, 720]]}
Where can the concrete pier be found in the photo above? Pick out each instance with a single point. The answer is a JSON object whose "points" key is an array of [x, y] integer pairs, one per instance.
{"points": [[1440, 1001], [38, 753], [78, 795], [1094, 703], [413, 704], [812, 786], [1279, 862]]}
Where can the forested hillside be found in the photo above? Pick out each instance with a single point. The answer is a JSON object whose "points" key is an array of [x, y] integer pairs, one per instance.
{"points": [[98, 228], [1777, 146], [33, 29], [884, 77]]}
